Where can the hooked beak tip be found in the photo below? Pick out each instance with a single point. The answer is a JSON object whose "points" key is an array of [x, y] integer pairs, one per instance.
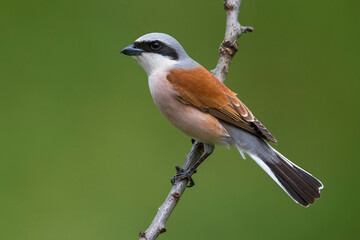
{"points": [[131, 50]]}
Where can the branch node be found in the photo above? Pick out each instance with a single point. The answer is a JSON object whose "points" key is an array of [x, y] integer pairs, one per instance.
{"points": [[176, 195], [142, 235], [162, 229], [228, 49], [228, 6]]}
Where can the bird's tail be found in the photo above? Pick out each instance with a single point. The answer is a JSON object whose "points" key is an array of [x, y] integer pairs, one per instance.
{"points": [[300, 185]]}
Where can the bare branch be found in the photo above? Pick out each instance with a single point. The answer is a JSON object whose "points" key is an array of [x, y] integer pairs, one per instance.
{"points": [[158, 224], [229, 45], [228, 49]]}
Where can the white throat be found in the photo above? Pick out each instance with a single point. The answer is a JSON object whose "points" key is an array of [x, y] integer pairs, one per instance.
{"points": [[152, 62]]}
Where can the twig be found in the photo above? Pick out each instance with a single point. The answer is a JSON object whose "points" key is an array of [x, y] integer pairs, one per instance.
{"points": [[229, 45], [158, 224], [228, 49]]}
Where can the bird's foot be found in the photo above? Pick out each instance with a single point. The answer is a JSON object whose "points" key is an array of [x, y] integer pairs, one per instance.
{"points": [[183, 174]]}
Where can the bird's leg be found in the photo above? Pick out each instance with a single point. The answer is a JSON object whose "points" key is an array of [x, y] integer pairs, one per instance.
{"points": [[186, 174]]}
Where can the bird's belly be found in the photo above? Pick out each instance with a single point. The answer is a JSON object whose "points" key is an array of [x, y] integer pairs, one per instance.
{"points": [[196, 124]]}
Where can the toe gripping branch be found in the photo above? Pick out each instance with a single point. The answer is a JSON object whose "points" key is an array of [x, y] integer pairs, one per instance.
{"points": [[183, 174], [187, 173]]}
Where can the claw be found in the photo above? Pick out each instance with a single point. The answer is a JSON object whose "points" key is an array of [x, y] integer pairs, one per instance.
{"points": [[179, 169], [186, 174], [183, 174]]}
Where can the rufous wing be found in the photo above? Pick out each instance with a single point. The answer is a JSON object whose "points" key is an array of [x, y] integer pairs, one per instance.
{"points": [[201, 89]]}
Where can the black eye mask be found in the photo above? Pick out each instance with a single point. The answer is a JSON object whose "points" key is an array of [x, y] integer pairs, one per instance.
{"points": [[157, 47]]}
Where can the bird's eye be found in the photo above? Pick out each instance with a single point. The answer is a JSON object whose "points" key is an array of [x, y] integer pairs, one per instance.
{"points": [[155, 45]]}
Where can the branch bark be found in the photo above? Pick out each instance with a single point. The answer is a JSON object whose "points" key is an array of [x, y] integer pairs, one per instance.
{"points": [[229, 45], [228, 49]]}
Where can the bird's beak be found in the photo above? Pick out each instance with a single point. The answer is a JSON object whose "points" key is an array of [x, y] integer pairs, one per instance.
{"points": [[131, 50]]}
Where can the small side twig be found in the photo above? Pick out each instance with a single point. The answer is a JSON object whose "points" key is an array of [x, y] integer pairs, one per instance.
{"points": [[228, 49]]}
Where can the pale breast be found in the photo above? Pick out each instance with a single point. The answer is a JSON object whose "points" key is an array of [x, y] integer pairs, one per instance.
{"points": [[196, 124]]}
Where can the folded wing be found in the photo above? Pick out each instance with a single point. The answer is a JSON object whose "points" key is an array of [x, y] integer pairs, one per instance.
{"points": [[201, 89]]}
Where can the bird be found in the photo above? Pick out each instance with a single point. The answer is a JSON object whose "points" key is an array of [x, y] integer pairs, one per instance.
{"points": [[201, 106]]}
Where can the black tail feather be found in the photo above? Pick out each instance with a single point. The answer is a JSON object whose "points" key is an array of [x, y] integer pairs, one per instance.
{"points": [[300, 185]]}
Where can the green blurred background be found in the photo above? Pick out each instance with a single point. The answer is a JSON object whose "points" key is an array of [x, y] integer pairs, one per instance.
{"points": [[85, 154]]}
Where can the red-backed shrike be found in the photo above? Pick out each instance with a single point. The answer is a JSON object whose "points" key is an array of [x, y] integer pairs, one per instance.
{"points": [[201, 106]]}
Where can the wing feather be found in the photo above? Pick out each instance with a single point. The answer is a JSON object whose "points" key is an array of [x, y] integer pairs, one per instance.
{"points": [[201, 89]]}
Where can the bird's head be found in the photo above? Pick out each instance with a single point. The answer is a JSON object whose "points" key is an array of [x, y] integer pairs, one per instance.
{"points": [[158, 51]]}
